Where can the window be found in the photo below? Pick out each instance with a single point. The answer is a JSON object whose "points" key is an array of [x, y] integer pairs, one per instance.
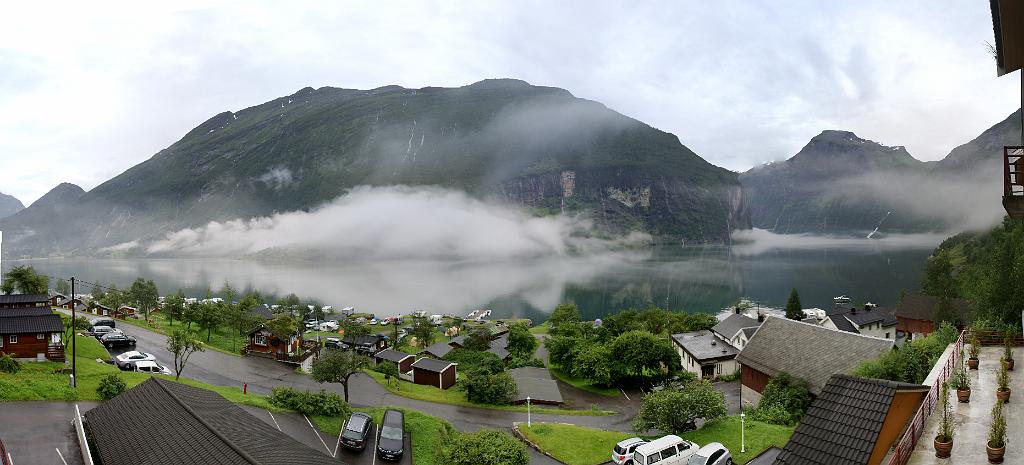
{"points": [[40, 336], [683, 446], [260, 340], [718, 453], [1, 342], [14, 339], [667, 453], [887, 335]]}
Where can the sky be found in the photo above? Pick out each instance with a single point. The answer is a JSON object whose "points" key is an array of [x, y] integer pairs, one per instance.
{"points": [[89, 89]]}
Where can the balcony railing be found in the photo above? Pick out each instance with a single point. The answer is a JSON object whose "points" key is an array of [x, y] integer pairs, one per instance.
{"points": [[1013, 181]]}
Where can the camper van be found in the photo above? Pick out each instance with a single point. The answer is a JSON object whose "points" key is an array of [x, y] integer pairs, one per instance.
{"points": [[668, 450]]}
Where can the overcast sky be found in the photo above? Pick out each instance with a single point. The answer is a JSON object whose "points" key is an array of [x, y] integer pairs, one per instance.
{"points": [[90, 89]]}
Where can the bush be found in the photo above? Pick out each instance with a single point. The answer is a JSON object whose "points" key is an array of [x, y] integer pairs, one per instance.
{"points": [[912, 362], [484, 446], [8, 364], [310, 403], [783, 394], [676, 410], [519, 362], [474, 360], [487, 388], [775, 414], [110, 387]]}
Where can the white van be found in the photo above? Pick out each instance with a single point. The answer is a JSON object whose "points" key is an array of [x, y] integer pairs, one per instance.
{"points": [[668, 450]]}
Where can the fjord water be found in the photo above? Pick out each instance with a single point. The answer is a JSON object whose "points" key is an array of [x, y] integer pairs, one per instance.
{"points": [[704, 279]]}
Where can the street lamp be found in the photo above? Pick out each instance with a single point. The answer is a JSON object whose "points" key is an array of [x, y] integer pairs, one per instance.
{"points": [[528, 422], [743, 437]]}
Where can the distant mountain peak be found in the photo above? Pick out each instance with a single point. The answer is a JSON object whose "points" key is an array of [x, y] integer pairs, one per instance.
{"points": [[9, 205], [63, 192]]}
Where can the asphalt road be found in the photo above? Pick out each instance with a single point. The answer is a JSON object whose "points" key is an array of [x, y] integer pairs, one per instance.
{"points": [[37, 433]]}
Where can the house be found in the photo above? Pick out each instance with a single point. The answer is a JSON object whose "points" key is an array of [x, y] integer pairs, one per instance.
{"points": [[402, 359], [24, 300], [100, 309], [705, 354], [125, 311], [263, 343], [437, 350], [368, 345], [29, 336], [262, 311], [433, 372], [854, 421], [56, 297], [804, 350], [736, 329], [161, 421], [65, 303], [498, 346], [869, 320], [537, 384], [915, 314]]}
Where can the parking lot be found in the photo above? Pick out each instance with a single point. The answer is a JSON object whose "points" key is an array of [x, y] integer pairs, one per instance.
{"points": [[38, 433]]}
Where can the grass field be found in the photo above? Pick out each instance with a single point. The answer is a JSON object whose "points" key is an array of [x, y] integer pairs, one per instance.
{"points": [[582, 383], [455, 396], [429, 434], [540, 329], [576, 445], [222, 339]]}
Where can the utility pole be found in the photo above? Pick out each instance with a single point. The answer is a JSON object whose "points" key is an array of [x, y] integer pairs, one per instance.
{"points": [[74, 372]]}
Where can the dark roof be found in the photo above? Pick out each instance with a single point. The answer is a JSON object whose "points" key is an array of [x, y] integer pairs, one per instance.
{"points": [[23, 298], [749, 332], [864, 316], [843, 324], [262, 311], [842, 425], [733, 324], [922, 307], [25, 311], [808, 351], [31, 324], [364, 340], [499, 346], [530, 372], [705, 345], [161, 421], [766, 457], [393, 355], [535, 383], [437, 349], [67, 300], [432, 364]]}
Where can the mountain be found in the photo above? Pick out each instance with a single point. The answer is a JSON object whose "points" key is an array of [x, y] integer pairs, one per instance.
{"points": [[9, 205], [506, 140], [842, 184]]}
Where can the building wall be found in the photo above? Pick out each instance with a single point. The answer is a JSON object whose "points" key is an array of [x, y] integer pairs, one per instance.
{"points": [[877, 330], [424, 377], [44, 303], [827, 323], [448, 378], [903, 407], [916, 328], [753, 382], [26, 347], [724, 368]]}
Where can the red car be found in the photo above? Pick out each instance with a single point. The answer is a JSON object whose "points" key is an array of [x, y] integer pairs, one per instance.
{"points": [[5, 459]]}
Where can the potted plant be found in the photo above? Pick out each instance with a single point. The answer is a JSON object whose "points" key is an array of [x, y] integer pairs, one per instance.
{"points": [[944, 438], [962, 384], [973, 350], [1003, 385], [996, 446], [1008, 352]]}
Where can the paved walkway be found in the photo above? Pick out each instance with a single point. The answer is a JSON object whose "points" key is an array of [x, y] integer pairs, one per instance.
{"points": [[33, 432], [972, 420]]}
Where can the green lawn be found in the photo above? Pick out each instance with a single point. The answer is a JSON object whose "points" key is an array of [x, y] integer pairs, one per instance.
{"points": [[429, 434], [456, 396], [222, 339], [583, 384], [576, 445], [41, 381], [540, 329]]}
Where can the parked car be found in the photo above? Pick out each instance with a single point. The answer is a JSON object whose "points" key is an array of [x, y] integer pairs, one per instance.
{"points": [[328, 326], [391, 439], [373, 321], [666, 450], [334, 343], [103, 321], [100, 330], [151, 368], [117, 339], [622, 453], [125, 360], [711, 454], [357, 430], [5, 458]]}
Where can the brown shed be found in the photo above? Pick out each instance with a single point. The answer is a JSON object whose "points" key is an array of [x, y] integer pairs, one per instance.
{"points": [[402, 359], [433, 372]]}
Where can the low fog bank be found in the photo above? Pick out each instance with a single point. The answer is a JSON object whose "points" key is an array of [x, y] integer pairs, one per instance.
{"points": [[755, 241], [398, 222]]}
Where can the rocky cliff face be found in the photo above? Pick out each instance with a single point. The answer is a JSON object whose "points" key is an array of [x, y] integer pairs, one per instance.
{"points": [[538, 147]]}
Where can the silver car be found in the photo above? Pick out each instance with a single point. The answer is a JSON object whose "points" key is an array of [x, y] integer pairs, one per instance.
{"points": [[622, 453], [711, 454]]}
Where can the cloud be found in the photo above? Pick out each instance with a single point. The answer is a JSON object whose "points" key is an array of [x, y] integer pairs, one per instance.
{"points": [[277, 178], [373, 223], [122, 247], [755, 241]]}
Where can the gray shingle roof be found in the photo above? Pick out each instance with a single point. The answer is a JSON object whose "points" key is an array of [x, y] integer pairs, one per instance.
{"points": [[733, 324], [437, 349], [392, 355], [262, 311], [31, 324], [431, 364], [26, 311], [23, 298], [842, 425], [808, 351], [163, 422], [530, 372], [749, 332], [704, 345], [922, 307], [861, 317], [535, 383]]}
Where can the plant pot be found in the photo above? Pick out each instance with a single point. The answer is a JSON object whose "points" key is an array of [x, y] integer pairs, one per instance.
{"points": [[972, 363], [943, 449], [995, 454], [1003, 396], [964, 396]]}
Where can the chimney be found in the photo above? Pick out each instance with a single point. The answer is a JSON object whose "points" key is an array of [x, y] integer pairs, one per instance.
{"points": [[867, 307], [853, 310], [760, 317], [738, 310]]}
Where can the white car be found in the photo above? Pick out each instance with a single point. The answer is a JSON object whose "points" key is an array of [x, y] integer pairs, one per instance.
{"points": [[126, 359], [152, 368], [329, 326], [622, 454], [711, 454], [667, 450]]}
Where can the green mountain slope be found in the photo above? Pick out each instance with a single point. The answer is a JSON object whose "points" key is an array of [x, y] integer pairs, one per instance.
{"points": [[538, 147]]}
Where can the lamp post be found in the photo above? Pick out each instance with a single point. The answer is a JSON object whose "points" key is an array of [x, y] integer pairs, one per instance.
{"points": [[528, 420], [743, 436]]}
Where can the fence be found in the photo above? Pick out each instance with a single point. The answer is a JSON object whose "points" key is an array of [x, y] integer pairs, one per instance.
{"points": [[905, 446], [83, 443]]}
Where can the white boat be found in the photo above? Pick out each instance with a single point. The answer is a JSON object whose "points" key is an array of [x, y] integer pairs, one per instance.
{"points": [[843, 299]]}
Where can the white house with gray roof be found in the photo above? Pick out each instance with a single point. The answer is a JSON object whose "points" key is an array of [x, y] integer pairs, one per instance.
{"points": [[711, 353]]}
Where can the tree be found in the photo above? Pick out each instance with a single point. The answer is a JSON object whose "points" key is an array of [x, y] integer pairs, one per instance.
{"points": [[193, 313], [62, 287], [283, 327], [938, 281], [640, 356], [110, 387], [562, 350], [390, 371], [113, 298], [144, 295], [352, 328], [182, 344], [25, 279], [97, 292], [290, 303], [594, 363], [210, 316], [489, 388], [338, 366], [423, 331], [784, 400], [564, 313], [675, 410], [243, 315], [479, 338], [69, 329], [794, 310], [521, 342], [484, 446], [174, 306], [229, 293]]}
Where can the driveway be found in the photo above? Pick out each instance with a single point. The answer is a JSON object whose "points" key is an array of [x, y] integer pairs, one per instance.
{"points": [[38, 433]]}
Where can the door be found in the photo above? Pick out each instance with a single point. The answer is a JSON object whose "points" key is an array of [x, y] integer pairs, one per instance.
{"points": [[707, 371]]}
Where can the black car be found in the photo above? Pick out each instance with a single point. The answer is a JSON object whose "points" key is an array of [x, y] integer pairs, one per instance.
{"points": [[357, 429], [390, 440], [117, 340]]}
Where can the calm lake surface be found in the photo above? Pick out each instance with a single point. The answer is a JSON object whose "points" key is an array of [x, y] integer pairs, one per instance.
{"points": [[691, 279]]}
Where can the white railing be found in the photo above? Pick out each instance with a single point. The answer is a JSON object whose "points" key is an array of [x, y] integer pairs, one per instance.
{"points": [[83, 443]]}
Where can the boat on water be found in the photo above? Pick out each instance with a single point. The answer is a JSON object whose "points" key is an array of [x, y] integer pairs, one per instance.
{"points": [[843, 299]]}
